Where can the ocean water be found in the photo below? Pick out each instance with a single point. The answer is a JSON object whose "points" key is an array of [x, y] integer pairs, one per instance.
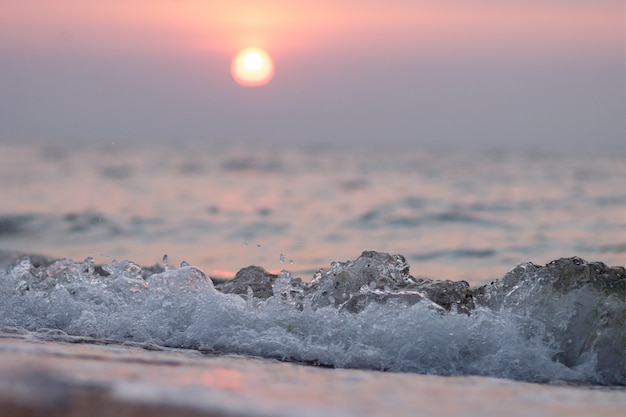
{"points": [[454, 214], [560, 322], [306, 214]]}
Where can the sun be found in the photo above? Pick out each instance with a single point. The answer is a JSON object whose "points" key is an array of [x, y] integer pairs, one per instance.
{"points": [[252, 67]]}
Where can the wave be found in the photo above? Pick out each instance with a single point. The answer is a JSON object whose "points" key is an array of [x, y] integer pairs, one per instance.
{"points": [[389, 216], [454, 253], [561, 321]]}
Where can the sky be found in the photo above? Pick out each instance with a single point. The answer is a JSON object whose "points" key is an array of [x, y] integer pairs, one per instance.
{"points": [[481, 73]]}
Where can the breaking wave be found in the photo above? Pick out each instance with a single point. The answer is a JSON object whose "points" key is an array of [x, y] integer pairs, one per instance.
{"points": [[561, 321]]}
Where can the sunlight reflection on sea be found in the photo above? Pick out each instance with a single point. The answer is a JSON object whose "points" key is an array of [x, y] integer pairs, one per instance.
{"points": [[452, 214]]}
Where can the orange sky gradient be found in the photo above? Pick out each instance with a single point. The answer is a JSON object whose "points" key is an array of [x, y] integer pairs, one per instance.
{"points": [[283, 26], [436, 70]]}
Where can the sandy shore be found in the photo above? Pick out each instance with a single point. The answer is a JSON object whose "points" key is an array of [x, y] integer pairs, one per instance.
{"points": [[40, 378]]}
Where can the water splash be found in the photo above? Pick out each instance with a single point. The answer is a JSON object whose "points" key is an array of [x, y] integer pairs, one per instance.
{"points": [[562, 321]]}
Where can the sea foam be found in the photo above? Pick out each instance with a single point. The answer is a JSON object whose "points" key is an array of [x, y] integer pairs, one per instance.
{"points": [[562, 321]]}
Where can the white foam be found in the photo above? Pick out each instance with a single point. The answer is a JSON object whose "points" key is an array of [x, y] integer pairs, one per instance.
{"points": [[180, 307]]}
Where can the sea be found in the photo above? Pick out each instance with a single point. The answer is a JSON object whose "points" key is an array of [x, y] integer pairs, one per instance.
{"points": [[138, 239], [458, 214]]}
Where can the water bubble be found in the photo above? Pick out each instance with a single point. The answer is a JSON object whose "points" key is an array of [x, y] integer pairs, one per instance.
{"points": [[282, 285], [130, 269], [317, 277], [88, 266]]}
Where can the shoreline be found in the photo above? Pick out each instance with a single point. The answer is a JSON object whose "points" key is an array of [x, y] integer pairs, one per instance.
{"points": [[59, 378]]}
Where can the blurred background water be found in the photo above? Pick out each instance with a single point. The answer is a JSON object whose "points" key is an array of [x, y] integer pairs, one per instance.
{"points": [[453, 213]]}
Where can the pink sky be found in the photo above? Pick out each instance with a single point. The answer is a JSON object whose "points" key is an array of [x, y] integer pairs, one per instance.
{"points": [[284, 26], [550, 53]]}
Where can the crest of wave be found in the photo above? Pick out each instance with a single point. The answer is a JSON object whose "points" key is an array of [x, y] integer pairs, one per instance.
{"points": [[378, 317]]}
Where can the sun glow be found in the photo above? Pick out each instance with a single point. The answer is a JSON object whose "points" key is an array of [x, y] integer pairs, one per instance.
{"points": [[252, 67]]}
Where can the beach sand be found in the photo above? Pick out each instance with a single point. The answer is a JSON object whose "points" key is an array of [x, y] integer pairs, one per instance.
{"points": [[55, 378]]}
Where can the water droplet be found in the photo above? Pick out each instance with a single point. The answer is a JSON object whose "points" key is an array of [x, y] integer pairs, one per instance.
{"points": [[282, 258], [291, 261], [258, 245], [88, 266], [184, 264], [317, 277], [166, 262]]}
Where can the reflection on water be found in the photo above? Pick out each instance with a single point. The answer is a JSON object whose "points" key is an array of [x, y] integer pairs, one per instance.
{"points": [[456, 215]]}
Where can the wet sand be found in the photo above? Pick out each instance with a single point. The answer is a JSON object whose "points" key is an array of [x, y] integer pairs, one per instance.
{"points": [[55, 378]]}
